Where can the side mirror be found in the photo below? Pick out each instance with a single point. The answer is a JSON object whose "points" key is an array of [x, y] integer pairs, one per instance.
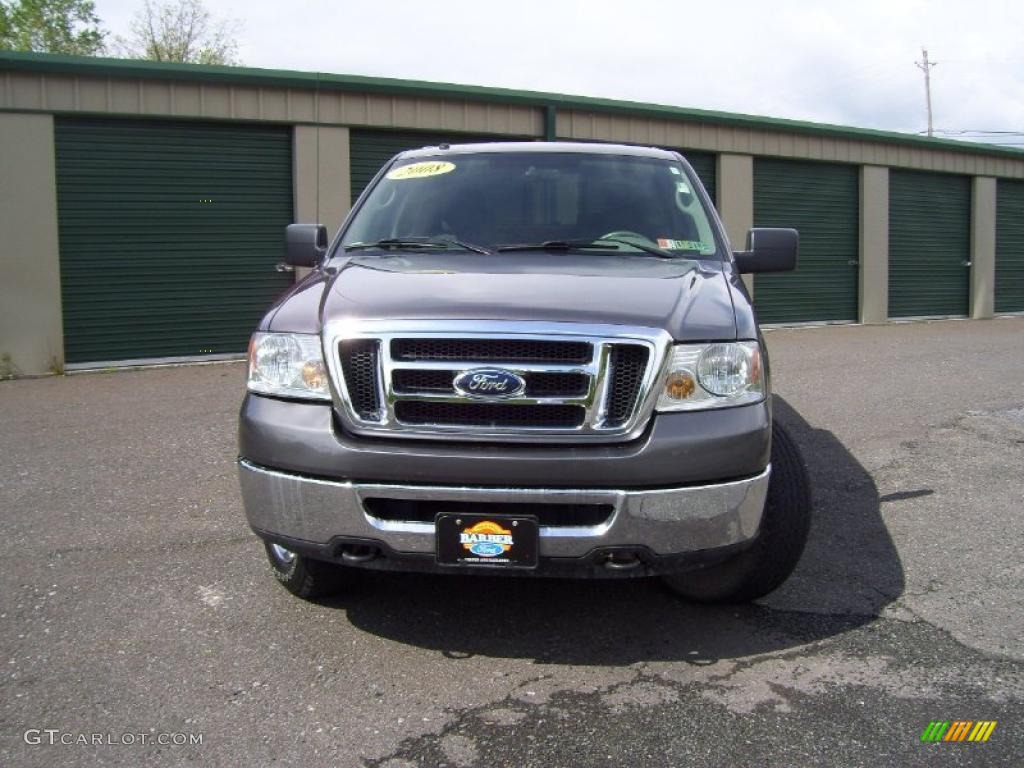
{"points": [[305, 244], [769, 250]]}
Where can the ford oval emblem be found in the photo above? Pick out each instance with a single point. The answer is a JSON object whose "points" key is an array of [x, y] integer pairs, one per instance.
{"points": [[489, 383], [486, 549]]}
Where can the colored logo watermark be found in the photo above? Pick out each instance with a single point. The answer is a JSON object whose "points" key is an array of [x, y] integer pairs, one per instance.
{"points": [[958, 730]]}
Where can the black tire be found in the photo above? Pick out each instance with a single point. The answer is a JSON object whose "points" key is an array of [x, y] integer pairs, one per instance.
{"points": [[303, 577], [784, 528]]}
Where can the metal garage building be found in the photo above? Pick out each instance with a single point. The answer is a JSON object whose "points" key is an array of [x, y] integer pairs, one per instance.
{"points": [[143, 204]]}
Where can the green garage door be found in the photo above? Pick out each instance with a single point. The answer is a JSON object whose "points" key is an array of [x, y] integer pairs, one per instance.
{"points": [[1010, 246], [169, 233], [370, 150], [929, 244], [822, 202]]}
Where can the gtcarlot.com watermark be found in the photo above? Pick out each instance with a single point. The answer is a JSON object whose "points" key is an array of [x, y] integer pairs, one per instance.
{"points": [[55, 736]]}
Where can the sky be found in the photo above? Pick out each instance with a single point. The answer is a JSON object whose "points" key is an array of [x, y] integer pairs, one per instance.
{"points": [[844, 63]]}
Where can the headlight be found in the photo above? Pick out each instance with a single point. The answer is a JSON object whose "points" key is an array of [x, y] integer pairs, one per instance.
{"points": [[713, 376], [287, 365]]}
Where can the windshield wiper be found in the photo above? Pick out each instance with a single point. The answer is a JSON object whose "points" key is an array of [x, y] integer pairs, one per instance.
{"points": [[416, 243], [555, 245], [603, 243], [652, 249]]}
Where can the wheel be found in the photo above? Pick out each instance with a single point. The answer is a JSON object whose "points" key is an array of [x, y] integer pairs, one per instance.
{"points": [[303, 577], [784, 528]]}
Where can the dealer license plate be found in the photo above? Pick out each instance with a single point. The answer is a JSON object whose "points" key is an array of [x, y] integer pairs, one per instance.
{"points": [[499, 541]]}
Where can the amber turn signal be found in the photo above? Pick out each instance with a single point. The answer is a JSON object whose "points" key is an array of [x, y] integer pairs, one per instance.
{"points": [[314, 375], [680, 385]]}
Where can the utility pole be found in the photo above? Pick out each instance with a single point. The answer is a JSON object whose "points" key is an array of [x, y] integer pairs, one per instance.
{"points": [[926, 66]]}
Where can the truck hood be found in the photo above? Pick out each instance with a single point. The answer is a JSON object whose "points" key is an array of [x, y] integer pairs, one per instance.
{"points": [[689, 299]]}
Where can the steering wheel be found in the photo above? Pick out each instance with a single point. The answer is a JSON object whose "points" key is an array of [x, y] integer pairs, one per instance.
{"points": [[625, 234]]}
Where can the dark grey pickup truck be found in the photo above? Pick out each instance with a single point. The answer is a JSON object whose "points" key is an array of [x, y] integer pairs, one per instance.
{"points": [[531, 359]]}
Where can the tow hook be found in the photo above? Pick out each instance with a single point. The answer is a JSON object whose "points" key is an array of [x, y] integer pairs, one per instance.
{"points": [[621, 561], [352, 553]]}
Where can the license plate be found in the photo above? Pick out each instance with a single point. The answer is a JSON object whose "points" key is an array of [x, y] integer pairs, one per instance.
{"points": [[498, 541]]}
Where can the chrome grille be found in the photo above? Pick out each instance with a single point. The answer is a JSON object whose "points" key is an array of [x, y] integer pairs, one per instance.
{"points": [[409, 381], [582, 383], [488, 414], [490, 350]]}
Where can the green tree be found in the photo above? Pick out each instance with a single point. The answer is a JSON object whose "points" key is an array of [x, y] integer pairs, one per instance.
{"points": [[51, 26], [180, 30]]}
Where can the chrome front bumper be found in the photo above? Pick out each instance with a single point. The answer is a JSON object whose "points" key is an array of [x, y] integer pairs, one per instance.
{"points": [[665, 522]]}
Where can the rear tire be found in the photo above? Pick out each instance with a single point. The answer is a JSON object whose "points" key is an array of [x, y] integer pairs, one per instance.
{"points": [[303, 577], [784, 528]]}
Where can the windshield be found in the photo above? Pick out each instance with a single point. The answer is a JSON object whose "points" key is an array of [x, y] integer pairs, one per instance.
{"points": [[497, 200]]}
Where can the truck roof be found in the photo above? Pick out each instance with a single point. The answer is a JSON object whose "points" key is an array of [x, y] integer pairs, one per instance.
{"points": [[537, 146]]}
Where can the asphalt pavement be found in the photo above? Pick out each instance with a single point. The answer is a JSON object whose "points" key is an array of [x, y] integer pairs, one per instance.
{"points": [[136, 607]]}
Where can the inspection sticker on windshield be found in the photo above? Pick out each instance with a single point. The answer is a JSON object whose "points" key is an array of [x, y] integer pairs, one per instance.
{"points": [[682, 245], [421, 170]]}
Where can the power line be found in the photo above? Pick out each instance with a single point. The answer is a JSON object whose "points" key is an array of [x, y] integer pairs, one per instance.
{"points": [[962, 131], [999, 137], [926, 67], [984, 134], [1002, 141]]}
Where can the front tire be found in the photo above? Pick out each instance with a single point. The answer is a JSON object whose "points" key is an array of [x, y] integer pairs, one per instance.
{"points": [[303, 577], [784, 528]]}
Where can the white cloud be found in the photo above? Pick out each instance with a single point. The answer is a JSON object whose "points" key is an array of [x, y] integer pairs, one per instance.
{"points": [[850, 64]]}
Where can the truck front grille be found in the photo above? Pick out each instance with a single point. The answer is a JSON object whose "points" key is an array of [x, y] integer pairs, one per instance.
{"points": [[359, 362], [504, 350], [398, 379], [408, 381], [421, 412], [628, 365]]}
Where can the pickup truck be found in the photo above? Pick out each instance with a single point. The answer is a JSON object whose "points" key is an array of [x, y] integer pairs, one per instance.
{"points": [[526, 359]]}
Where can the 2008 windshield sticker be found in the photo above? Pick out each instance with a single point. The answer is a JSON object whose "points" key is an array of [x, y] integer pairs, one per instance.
{"points": [[421, 170]]}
